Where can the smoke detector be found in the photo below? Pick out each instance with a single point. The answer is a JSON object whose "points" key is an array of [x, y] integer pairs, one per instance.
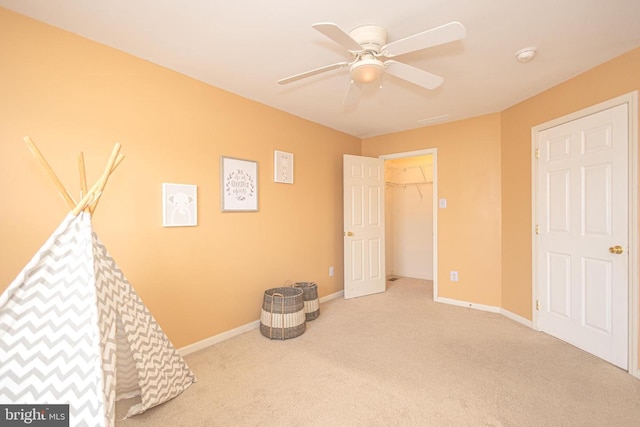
{"points": [[526, 54]]}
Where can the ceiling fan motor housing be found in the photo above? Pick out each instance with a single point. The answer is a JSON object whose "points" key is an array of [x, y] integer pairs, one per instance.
{"points": [[367, 68], [370, 37]]}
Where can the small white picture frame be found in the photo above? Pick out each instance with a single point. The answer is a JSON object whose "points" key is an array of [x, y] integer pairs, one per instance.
{"points": [[282, 167], [179, 205], [238, 185]]}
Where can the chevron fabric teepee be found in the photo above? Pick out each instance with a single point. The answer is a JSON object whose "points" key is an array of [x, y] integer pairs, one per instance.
{"points": [[73, 331]]}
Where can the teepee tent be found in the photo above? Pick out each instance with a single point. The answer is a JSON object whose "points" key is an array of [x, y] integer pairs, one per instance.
{"points": [[73, 330]]}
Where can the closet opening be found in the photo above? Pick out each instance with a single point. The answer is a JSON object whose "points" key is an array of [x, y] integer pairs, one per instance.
{"points": [[410, 217]]}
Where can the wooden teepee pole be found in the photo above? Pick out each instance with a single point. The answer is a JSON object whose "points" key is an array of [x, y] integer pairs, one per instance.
{"points": [[91, 206], [52, 175], [92, 195], [94, 203], [83, 176]]}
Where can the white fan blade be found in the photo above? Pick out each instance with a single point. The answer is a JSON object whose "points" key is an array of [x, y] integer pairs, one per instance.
{"points": [[336, 34], [436, 36], [312, 72], [352, 97], [413, 75]]}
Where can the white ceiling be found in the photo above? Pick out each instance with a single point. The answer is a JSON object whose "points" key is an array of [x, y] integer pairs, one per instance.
{"points": [[245, 47]]}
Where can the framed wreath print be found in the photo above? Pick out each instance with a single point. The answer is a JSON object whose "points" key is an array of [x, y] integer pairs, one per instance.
{"points": [[239, 185], [283, 167]]}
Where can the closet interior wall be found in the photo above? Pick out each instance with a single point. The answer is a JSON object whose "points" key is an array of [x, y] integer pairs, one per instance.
{"points": [[409, 217]]}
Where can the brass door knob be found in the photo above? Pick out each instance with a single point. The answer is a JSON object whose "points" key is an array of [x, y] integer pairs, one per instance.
{"points": [[616, 249], [348, 233]]}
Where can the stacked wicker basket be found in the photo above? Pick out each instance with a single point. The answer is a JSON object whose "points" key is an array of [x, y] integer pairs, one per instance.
{"points": [[286, 310]]}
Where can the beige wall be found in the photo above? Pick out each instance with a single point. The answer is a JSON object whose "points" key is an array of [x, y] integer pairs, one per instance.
{"points": [[487, 224], [70, 95], [468, 174], [616, 77]]}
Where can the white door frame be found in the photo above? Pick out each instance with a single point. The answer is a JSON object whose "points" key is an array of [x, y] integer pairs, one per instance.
{"points": [[631, 99], [433, 152]]}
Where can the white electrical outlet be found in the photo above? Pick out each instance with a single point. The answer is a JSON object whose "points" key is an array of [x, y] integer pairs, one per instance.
{"points": [[331, 271], [453, 276]]}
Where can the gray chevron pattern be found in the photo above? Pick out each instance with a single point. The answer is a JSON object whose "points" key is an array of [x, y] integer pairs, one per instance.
{"points": [[143, 350], [73, 330]]}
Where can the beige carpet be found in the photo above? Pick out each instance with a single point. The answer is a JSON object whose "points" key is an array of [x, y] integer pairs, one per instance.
{"points": [[399, 359]]}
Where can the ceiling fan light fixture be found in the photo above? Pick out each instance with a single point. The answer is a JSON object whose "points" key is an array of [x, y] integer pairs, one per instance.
{"points": [[367, 70]]}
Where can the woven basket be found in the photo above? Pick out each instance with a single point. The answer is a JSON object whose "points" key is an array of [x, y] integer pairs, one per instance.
{"points": [[282, 316], [310, 297]]}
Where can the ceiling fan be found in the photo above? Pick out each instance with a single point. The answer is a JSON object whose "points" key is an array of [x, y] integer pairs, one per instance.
{"points": [[370, 50]]}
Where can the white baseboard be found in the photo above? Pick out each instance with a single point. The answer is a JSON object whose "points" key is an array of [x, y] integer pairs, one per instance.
{"points": [[516, 318], [489, 308], [467, 304], [208, 342], [335, 295]]}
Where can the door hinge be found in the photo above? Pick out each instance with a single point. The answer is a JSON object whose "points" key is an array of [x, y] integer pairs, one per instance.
{"points": [[537, 228], [537, 153], [537, 305]]}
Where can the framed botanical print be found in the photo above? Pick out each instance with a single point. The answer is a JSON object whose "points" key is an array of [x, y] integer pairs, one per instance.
{"points": [[238, 185]]}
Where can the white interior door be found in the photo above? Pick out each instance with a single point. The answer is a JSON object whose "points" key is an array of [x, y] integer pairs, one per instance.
{"points": [[364, 245], [582, 215]]}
